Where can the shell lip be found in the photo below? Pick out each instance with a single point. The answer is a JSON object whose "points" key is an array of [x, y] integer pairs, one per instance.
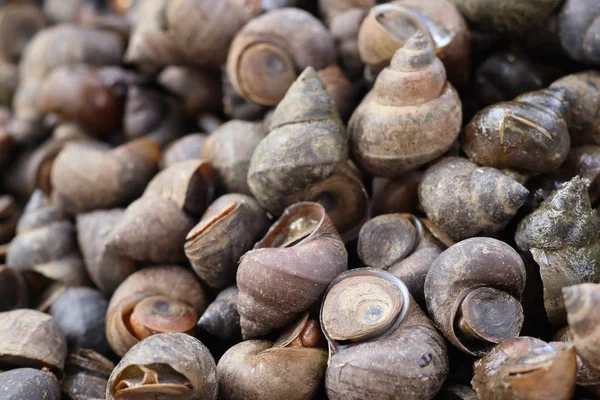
{"points": [[335, 346]]}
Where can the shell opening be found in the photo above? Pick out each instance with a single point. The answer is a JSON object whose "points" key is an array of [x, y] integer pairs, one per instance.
{"points": [[144, 381]]}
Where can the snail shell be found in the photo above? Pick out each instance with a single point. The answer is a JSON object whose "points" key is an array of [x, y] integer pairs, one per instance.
{"points": [[86, 375], [585, 376], [19, 22], [267, 53], [188, 147], [29, 383], [388, 26], [561, 236], [582, 91], [465, 200], [146, 304], [473, 292], [579, 30], [289, 269], [30, 338], [199, 90], [106, 268], [412, 115], [344, 29], [305, 157], [229, 228], [85, 178], [582, 302], [247, 369], [526, 368], [529, 133], [172, 365], [154, 227], [381, 344], [221, 317], [330, 9]]}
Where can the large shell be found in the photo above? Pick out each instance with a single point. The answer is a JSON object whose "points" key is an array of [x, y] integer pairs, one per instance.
{"points": [[526, 368], [473, 292], [85, 178], [388, 27], [267, 54], [305, 157], [29, 338], [406, 357], [561, 235], [465, 200], [229, 228], [157, 283], [289, 269], [582, 303], [529, 133], [412, 115], [169, 364]]}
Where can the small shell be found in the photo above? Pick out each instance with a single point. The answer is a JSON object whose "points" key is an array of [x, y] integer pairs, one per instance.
{"points": [[86, 375], [28, 383], [221, 317]]}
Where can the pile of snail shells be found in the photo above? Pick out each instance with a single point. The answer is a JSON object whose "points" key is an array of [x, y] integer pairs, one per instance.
{"points": [[296, 200]]}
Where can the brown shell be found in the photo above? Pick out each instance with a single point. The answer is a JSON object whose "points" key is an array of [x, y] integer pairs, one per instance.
{"points": [[228, 229], [585, 376], [526, 368], [229, 149], [29, 338], [305, 157], [561, 236], [199, 90], [221, 318], [151, 113], [399, 195], [412, 115], [86, 375], [19, 22], [168, 364], [188, 147], [50, 48], [247, 369], [155, 281], [330, 9], [579, 30], [13, 288], [203, 30], [106, 268], [582, 302], [154, 227], [528, 133], [402, 245], [408, 360], [268, 52], [465, 200], [84, 178], [473, 292], [389, 26], [289, 269], [150, 48], [583, 94]]}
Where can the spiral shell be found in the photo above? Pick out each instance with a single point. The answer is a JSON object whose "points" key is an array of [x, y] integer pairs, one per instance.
{"points": [[582, 302], [388, 27], [579, 30], [85, 178], [165, 365], [473, 292], [585, 376], [289, 269], [267, 53], [465, 200], [526, 368], [305, 157], [221, 318], [529, 133], [412, 115], [188, 147], [561, 235], [145, 304], [381, 344]]}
